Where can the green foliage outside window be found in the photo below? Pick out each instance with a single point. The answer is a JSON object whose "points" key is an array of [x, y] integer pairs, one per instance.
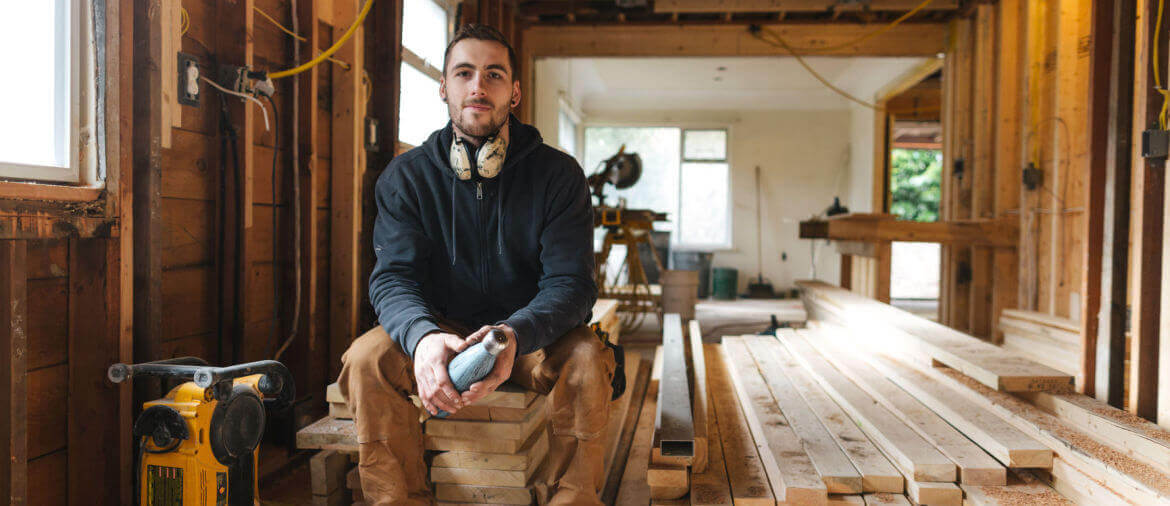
{"points": [[915, 175]]}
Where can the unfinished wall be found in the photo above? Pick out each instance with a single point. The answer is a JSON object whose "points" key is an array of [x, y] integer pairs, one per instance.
{"points": [[803, 158]]}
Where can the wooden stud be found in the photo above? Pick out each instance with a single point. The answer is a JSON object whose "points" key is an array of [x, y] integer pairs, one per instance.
{"points": [[1108, 316], [745, 471], [710, 487], [698, 368], [634, 488]]}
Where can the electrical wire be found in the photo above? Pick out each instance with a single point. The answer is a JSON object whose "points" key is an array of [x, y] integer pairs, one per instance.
{"points": [[1157, 73], [869, 35], [245, 96], [294, 35], [184, 21], [762, 33], [332, 49], [296, 199]]}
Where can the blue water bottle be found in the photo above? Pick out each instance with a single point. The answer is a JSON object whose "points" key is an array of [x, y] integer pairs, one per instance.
{"points": [[474, 363]]}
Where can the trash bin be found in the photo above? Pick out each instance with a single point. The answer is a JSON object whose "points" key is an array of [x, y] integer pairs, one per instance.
{"points": [[724, 282], [695, 261]]}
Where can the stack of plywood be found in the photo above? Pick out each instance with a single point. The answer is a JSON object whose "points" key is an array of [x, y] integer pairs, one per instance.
{"points": [[1043, 338]]}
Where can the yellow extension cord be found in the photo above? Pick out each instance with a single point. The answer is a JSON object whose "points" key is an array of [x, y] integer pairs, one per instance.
{"points": [[328, 52]]}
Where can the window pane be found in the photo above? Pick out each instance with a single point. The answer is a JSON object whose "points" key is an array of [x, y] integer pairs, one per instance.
{"points": [[704, 207], [34, 129], [567, 134], [705, 145], [421, 111], [424, 30], [659, 149]]}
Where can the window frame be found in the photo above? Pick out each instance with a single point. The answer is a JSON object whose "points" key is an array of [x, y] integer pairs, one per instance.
{"points": [[682, 127], [566, 108], [409, 57], [71, 175]]}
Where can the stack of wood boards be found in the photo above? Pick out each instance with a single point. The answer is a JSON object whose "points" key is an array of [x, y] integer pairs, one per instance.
{"points": [[1043, 338]]}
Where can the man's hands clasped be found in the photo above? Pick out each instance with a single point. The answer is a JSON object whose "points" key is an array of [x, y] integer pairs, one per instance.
{"points": [[435, 352]]}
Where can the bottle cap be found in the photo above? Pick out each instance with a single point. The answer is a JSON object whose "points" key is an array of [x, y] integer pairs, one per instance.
{"points": [[495, 342]]}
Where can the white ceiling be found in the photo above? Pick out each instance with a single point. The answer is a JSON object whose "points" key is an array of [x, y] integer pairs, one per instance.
{"points": [[745, 83]]}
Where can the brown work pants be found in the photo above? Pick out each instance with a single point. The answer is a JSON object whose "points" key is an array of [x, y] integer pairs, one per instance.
{"points": [[377, 379]]}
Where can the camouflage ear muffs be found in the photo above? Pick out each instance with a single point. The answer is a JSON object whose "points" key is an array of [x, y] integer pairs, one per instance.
{"points": [[489, 158]]}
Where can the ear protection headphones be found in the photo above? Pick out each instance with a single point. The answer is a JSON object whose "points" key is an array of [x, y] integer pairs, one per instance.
{"points": [[488, 157]]}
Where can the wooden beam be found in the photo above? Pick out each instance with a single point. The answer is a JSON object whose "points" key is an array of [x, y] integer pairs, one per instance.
{"points": [[147, 181], [634, 488], [1148, 200], [674, 431], [13, 363], [1006, 155], [698, 369], [348, 168], [998, 233], [793, 476], [309, 341], [736, 6], [1113, 200]]}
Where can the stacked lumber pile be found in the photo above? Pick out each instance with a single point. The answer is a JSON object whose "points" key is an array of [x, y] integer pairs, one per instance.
{"points": [[1042, 338], [1053, 444]]}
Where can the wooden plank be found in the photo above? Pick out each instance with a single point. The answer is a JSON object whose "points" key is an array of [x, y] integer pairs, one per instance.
{"points": [[885, 500], [1120, 429], [482, 494], [975, 466], [615, 463], [745, 472], [793, 477], [1076, 485], [620, 408], [634, 488], [489, 477], [1130, 478], [831, 464], [983, 361], [711, 487], [534, 450], [877, 474], [916, 458], [992, 232], [329, 434], [468, 429], [738, 6], [674, 430], [698, 369], [94, 343], [327, 471], [14, 470], [667, 481], [1023, 489], [1007, 444], [348, 158]]}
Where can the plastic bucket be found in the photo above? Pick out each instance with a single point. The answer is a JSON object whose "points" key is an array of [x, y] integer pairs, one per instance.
{"points": [[724, 282]]}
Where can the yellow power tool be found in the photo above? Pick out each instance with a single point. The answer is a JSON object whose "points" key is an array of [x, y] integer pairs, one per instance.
{"points": [[197, 445]]}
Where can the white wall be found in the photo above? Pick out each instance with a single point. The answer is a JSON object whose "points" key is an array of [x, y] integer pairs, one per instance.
{"points": [[805, 160], [860, 195], [555, 83]]}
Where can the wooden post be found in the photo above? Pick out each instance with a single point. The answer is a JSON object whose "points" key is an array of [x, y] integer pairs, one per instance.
{"points": [[1011, 39], [14, 378], [308, 348], [346, 202], [846, 272], [147, 187], [1148, 188], [882, 260], [95, 429]]}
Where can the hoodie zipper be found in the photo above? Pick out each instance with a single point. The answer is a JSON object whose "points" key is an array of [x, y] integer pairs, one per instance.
{"points": [[483, 222]]}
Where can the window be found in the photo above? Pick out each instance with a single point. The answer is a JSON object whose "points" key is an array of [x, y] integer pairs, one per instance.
{"points": [[684, 173], [567, 131], [38, 130], [426, 29]]}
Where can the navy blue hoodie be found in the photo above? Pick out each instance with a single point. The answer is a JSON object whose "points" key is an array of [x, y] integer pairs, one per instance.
{"points": [[515, 249]]}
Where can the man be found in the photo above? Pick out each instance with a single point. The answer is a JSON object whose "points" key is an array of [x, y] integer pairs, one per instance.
{"points": [[481, 227]]}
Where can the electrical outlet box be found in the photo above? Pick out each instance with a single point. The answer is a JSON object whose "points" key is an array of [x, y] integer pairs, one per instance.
{"points": [[1155, 143], [188, 80], [372, 134]]}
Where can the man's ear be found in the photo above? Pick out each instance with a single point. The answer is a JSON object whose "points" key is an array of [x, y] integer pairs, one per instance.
{"points": [[515, 94], [443, 88]]}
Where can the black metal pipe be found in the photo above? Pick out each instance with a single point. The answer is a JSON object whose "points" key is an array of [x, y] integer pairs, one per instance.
{"points": [[181, 367]]}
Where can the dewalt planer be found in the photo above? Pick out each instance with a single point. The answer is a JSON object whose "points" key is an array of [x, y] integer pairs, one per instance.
{"points": [[197, 445]]}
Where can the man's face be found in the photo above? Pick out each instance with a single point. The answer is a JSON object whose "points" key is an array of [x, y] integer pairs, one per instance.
{"points": [[478, 87]]}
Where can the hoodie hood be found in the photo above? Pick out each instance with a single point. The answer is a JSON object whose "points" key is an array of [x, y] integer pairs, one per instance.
{"points": [[522, 140]]}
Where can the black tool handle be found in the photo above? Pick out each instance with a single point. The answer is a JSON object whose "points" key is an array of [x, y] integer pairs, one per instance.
{"points": [[180, 368], [277, 380]]}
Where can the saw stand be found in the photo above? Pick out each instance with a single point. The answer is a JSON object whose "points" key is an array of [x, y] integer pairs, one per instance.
{"points": [[636, 296]]}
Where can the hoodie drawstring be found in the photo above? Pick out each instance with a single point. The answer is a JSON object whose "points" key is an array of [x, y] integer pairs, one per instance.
{"points": [[500, 219]]}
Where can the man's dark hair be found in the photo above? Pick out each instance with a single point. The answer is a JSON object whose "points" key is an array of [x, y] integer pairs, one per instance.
{"points": [[481, 32]]}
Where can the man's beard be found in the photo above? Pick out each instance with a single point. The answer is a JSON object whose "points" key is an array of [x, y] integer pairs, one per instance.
{"points": [[479, 131]]}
